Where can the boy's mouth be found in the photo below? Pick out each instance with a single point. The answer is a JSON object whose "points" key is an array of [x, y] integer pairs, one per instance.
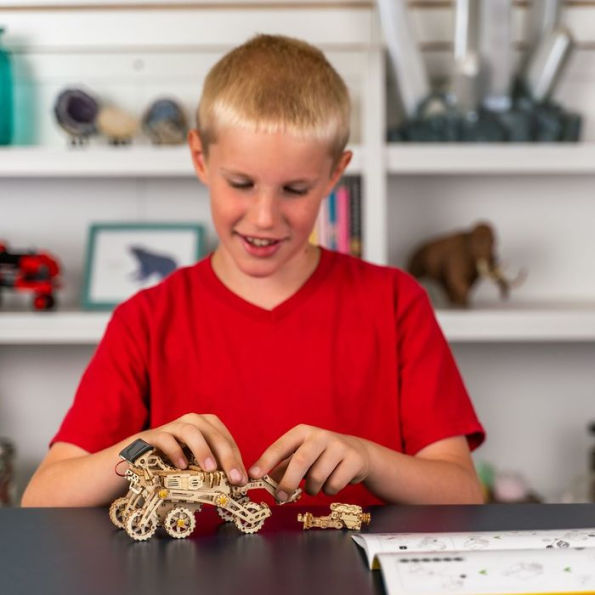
{"points": [[261, 247], [260, 242]]}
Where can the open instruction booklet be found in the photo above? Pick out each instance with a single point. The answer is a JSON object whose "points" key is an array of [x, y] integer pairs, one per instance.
{"points": [[526, 562]]}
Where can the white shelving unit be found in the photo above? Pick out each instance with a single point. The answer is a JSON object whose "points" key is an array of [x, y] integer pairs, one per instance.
{"points": [[534, 322], [109, 162], [552, 323], [518, 358], [52, 328], [529, 323], [477, 159]]}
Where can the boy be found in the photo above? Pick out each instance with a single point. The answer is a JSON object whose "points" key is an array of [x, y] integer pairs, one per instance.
{"points": [[273, 352]]}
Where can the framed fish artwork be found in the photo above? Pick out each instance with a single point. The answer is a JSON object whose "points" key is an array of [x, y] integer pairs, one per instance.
{"points": [[123, 258]]}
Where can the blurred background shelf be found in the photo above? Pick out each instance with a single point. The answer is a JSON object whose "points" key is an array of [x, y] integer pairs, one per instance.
{"points": [[105, 162], [402, 159], [519, 323], [509, 158], [52, 328], [562, 322], [528, 363]]}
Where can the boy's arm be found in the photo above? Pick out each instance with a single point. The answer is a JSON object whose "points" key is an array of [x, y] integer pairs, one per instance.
{"points": [[440, 473], [71, 476]]}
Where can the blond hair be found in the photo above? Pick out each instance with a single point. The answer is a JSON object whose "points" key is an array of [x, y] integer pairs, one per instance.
{"points": [[274, 83]]}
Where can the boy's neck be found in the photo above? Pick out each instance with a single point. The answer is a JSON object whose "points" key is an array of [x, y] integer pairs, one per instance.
{"points": [[266, 292]]}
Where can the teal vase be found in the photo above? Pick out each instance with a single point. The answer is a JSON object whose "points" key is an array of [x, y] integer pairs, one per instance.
{"points": [[5, 95]]}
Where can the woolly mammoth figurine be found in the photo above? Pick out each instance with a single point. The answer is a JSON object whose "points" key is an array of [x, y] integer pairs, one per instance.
{"points": [[458, 260]]}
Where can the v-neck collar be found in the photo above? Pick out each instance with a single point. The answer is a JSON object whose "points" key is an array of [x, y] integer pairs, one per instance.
{"points": [[285, 307]]}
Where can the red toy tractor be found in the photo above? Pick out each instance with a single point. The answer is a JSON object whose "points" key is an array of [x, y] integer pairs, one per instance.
{"points": [[30, 271]]}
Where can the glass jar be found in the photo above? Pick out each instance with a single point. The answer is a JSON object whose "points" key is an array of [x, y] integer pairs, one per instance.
{"points": [[6, 93]]}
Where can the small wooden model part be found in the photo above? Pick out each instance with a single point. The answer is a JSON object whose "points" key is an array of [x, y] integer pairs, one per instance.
{"points": [[161, 495], [348, 516]]}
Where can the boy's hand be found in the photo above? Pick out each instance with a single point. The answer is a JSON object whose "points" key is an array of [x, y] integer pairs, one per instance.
{"points": [[207, 437], [327, 460]]}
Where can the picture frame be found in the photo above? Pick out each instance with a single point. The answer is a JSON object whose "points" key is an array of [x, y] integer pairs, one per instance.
{"points": [[123, 258]]}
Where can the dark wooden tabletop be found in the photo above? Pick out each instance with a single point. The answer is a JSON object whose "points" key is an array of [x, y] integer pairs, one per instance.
{"points": [[79, 552]]}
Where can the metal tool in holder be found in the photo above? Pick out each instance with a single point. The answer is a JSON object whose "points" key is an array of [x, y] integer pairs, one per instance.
{"points": [[485, 100]]}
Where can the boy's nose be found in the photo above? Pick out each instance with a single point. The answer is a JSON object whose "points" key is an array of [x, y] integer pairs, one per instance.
{"points": [[265, 211]]}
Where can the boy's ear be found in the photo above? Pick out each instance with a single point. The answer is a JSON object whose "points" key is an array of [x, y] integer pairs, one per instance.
{"points": [[339, 169], [198, 156]]}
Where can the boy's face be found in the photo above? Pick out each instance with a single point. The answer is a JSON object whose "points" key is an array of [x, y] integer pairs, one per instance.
{"points": [[265, 192]]}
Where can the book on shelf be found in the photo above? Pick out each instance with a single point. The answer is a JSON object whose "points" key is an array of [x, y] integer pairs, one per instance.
{"points": [[521, 562], [339, 224]]}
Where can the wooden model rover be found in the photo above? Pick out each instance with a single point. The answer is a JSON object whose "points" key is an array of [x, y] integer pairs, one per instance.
{"points": [[350, 516], [160, 494]]}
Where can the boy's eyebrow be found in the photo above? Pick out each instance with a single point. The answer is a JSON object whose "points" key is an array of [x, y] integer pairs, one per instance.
{"points": [[243, 175]]}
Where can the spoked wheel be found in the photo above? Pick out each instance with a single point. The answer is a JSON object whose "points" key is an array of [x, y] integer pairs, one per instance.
{"points": [[227, 516], [138, 530], [116, 512], [179, 522], [250, 526]]}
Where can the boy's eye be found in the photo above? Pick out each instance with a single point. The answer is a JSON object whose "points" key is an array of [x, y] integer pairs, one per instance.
{"points": [[296, 191], [287, 189], [241, 185]]}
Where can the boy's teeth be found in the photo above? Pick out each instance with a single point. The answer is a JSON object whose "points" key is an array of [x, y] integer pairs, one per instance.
{"points": [[259, 241]]}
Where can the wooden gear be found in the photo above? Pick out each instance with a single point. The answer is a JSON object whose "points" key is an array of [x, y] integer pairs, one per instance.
{"points": [[350, 516], [160, 494]]}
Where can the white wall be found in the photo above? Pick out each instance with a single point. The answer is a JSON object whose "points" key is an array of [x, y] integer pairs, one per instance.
{"points": [[128, 57], [534, 399]]}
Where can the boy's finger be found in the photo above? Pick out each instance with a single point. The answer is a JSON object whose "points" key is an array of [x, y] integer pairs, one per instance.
{"points": [[238, 464], [227, 454], [215, 421], [169, 446], [194, 439], [277, 472], [343, 474], [321, 471], [281, 449], [301, 461]]}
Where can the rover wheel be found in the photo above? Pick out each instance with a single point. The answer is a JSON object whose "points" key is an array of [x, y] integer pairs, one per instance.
{"points": [[227, 516], [116, 512], [179, 522], [136, 529], [249, 526]]}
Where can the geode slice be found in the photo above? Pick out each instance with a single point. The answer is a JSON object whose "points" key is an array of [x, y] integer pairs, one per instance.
{"points": [[76, 112], [165, 122], [118, 125]]}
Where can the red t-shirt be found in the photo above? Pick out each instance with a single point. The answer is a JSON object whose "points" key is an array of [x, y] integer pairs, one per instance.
{"points": [[355, 350]]}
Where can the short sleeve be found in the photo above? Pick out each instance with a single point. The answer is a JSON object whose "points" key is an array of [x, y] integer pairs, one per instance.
{"points": [[434, 403], [111, 400]]}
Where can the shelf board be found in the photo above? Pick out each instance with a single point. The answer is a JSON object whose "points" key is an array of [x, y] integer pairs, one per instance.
{"points": [[52, 328], [402, 159], [490, 158], [525, 323], [129, 161], [562, 322]]}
